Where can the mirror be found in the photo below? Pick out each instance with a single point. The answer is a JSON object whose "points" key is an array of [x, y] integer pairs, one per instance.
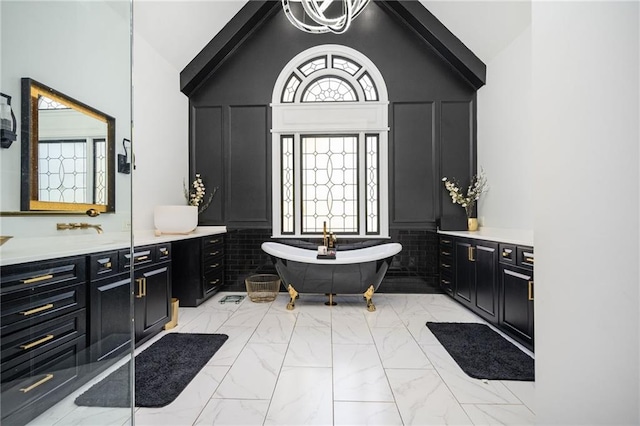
{"points": [[67, 153]]}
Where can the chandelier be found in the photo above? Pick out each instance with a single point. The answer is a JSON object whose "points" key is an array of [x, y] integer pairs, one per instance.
{"points": [[325, 15]]}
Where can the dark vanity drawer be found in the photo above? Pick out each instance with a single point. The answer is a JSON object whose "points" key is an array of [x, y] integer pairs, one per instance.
{"points": [[103, 265], [29, 343], [42, 381], [141, 256], [163, 252], [213, 248], [35, 276], [508, 254], [26, 307], [525, 257], [446, 264]]}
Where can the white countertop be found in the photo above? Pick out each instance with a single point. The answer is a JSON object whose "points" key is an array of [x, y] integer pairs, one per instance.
{"points": [[22, 250], [501, 235]]}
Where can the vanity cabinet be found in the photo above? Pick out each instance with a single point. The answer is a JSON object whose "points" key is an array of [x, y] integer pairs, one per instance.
{"points": [[447, 265], [476, 279], [109, 300], [151, 287], [43, 334], [198, 269], [516, 289], [492, 279]]}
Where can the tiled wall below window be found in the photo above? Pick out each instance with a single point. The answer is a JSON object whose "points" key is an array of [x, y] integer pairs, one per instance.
{"points": [[414, 270]]}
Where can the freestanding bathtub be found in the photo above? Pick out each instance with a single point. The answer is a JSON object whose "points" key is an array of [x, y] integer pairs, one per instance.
{"points": [[358, 271]]}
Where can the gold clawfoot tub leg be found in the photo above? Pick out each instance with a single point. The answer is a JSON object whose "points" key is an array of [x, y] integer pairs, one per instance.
{"points": [[368, 295], [293, 294]]}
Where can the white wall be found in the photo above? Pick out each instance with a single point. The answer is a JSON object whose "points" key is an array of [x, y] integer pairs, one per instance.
{"points": [[585, 134], [160, 133], [505, 149], [40, 40]]}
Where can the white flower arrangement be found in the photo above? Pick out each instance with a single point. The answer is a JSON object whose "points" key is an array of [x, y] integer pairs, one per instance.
{"points": [[195, 196], [477, 187]]}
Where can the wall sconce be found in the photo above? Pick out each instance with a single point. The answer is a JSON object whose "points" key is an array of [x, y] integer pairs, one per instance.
{"points": [[7, 122], [124, 166]]}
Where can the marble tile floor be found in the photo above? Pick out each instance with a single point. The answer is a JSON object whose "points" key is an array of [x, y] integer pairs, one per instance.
{"points": [[320, 365]]}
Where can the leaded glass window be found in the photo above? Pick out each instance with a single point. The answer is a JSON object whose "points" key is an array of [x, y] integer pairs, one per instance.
{"points": [[330, 183], [330, 145], [289, 91], [62, 166], [344, 64], [329, 89], [313, 65], [288, 187], [100, 171]]}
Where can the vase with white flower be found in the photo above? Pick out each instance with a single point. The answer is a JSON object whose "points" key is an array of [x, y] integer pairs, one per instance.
{"points": [[183, 219], [467, 200]]}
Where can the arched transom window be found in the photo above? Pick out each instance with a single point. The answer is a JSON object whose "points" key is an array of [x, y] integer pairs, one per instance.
{"points": [[330, 145]]}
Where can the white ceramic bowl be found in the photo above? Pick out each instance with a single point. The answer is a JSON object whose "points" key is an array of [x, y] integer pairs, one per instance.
{"points": [[175, 219]]}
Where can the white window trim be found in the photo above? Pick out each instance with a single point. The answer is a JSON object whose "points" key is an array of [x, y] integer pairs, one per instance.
{"points": [[363, 117]]}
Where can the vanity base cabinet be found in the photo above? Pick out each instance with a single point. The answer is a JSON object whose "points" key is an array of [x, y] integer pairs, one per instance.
{"points": [[494, 280], [109, 312], [198, 269], [516, 289], [152, 305], [476, 280], [43, 332]]}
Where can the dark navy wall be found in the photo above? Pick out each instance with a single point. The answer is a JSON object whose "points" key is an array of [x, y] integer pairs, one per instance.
{"points": [[432, 118]]}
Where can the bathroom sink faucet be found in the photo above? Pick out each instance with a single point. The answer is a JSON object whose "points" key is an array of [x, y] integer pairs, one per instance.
{"points": [[63, 226]]}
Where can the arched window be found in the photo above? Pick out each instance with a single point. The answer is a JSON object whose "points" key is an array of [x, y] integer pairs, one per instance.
{"points": [[329, 133]]}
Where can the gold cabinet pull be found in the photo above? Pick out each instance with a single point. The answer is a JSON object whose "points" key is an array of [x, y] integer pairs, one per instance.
{"points": [[528, 259], [445, 282], [36, 310], [530, 290], [214, 253], [37, 279], [140, 294], [37, 342], [446, 253], [214, 282], [138, 259], [144, 287], [215, 265], [445, 265], [164, 252], [107, 265], [45, 379], [213, 241], [506, 253], [471, 254], [446, 241]]}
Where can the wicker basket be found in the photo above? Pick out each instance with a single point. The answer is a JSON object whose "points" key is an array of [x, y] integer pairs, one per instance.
{"points": [[263, 288]]}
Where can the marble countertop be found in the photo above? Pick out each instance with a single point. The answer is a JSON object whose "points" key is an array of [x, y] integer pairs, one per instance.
{"points": [[501, 235], [22, 250]]}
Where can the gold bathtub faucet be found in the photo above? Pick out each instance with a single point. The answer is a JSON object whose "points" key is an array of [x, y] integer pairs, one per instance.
{"points": [[63, 226], [328, 240]]}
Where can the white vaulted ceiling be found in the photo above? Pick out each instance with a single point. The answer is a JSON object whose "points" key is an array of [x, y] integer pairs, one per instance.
{"points": [[179, 29]]}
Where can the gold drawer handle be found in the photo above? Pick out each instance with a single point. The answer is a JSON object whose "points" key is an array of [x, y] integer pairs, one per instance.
{"points": [[446, 253], [214, 253], [213, 241], [530, 290], [141, 288], [107, 265], [446, 282], [471, 254], [36, 310], [215, 265], [138, 259], [214, 282], [37, 342], [446, 241], [165, 252], [506, 253], [445, 265], [37, 279], [528, 259], [38, 383]]}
